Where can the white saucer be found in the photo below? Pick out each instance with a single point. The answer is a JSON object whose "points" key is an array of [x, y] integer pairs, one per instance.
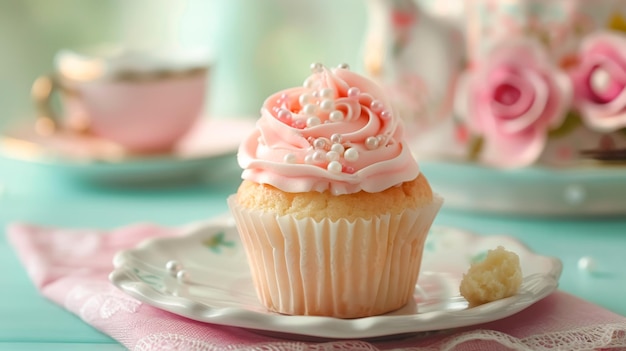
{"points": [[220, 291], [91, 158]]}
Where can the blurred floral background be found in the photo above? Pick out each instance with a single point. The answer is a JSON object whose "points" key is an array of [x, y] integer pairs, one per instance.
{"points": [[258, 46]]}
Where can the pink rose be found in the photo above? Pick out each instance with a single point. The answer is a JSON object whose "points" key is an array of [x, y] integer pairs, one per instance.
{"points": [[600, 81], [511, 98]]}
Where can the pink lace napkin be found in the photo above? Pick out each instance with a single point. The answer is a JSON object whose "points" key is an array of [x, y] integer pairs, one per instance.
{"points": [[71, 267]]}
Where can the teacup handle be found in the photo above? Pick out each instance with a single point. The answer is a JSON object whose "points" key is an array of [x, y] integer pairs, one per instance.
{"points": [[41, 92]]}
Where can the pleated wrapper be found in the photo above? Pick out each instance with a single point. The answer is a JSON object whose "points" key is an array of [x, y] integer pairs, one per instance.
{"points": [[343, 269]]}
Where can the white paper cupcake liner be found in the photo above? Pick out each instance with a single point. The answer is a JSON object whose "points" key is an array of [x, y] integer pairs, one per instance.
{"points": [[341, 269]]}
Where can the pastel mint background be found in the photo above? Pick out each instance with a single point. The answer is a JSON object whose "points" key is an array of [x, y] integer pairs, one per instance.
{"points": [[258, 46]]}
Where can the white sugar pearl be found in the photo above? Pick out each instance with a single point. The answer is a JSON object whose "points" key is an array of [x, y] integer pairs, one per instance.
{"points": [[587, 264], [183, 277], [376, 106], [284, 115], [298, 123], [304, 99], [338, 148], [309, 109], [173, 267], [335, 138], [351, 155], [316, 67], [334, 167], [319, 143], [308, 159], [371, 142], [354, 92], [319, 156], [332, 156], [289, 158], [313, 121], [327, 105], [336, 116], [327, 93]]}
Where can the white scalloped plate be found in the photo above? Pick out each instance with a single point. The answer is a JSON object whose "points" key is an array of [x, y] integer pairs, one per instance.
{"points": [[220, 290]]}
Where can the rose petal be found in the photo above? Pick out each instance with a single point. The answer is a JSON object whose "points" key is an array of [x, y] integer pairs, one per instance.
{"points": [[523, 103], [515, 140], [513, 151], [605, 117], [602, 112], [537, 107]]}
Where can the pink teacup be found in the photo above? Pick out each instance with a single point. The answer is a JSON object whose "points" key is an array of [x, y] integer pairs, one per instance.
{"points": [[145, 101]]}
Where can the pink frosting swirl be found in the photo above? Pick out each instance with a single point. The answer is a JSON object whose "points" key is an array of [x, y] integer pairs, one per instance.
{"points": [[336, 133]]}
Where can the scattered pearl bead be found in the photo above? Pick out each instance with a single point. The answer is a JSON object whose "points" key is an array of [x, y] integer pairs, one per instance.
{"points": [[290, 158], [304, 99], [309, 109], [308, 159], [348, 169], [319, 156], [371, 142], [336, 138], [336, 116], [316, 67], [376, 106], [183, 277], [354, 92], [334, 167], [284, 96], [351, 155], [385, 114], [343, 66], [313, 121], [338, 148], [587, 263], [319, 143], [173, 267], [327, 93], [327, 105], [332, 156]]}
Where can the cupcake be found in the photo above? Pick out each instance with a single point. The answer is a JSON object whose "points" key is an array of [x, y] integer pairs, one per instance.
{"points": [[332, 210]]}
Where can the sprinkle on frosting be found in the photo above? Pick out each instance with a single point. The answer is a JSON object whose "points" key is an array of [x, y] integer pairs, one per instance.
{"points": [[336, 133]]}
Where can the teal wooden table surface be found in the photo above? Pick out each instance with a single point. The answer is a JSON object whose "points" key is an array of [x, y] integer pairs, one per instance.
{"points": [[43, 195]]}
